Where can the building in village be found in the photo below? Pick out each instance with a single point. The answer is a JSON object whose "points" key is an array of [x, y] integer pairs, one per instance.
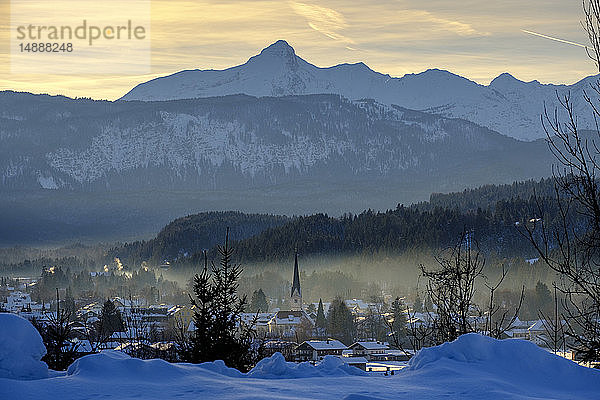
{"points": [[316, 350], [369, 350], [258, 321], [377, 351]]}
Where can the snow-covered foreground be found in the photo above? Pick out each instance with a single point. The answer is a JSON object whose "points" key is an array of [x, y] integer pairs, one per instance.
{"points": [[472, 367]]}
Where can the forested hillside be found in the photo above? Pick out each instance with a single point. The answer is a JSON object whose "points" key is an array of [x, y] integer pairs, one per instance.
{"points": [[487, 196], [193, 233], [399, 230], [490, 212]]}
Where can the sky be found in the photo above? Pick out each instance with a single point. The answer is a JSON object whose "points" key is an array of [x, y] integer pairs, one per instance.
{"points": [[473, 38]]}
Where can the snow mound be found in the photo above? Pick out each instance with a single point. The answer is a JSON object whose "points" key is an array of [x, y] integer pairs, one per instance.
{"points": [[21, 349], [511, 360], [470, 368], [116, 366], [275, 367], [220, 368]]}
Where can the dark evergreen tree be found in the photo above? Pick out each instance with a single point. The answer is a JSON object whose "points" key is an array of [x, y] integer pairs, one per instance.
{"points": [[69, 303], [398, 322], [202, 301], [340, 322], [544, 300], [259, 303], [320, 322], [418, 306], [219, 333], [110, 321]]}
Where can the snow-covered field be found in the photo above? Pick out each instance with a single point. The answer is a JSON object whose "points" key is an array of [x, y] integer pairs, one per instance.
{"points": [[472, 367]]}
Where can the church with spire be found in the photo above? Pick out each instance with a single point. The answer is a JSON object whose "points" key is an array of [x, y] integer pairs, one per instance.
{"points": [[285, 323], [296, 295]]}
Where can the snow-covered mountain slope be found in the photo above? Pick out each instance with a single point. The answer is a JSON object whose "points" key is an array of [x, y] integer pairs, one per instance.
{"points": [[243, 142], [507, 105]]}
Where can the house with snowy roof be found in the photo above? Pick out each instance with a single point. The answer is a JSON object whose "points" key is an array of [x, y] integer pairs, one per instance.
{"points": [[137, 349], [368, 349], [17, 301], [257, 321], [286, 323], [285, 347], [358, 362], [534, 331], [357, 306], [537, 332], [316, 350], [124, 304], [181, 316]]}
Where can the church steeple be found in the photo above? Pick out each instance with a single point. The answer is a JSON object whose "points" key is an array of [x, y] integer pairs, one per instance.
{"points": [[296, 295]]}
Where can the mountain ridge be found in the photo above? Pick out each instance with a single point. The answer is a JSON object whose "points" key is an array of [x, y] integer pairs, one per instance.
{"points": [[82, 165], [87, 142], [513, 110]]}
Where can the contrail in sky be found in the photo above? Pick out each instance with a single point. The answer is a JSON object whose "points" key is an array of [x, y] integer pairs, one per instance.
{"points": [[556, 39]]}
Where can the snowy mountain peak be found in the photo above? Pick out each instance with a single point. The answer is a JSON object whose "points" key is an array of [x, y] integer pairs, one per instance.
{"points": [[280, 48], [508, 105], [503, 80], [436, 72], [278, 52]]}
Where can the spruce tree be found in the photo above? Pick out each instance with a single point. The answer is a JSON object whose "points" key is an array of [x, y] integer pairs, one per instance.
{"points": [[202, 303], [418, 306], [399, 320], [321, 322], [340, 322], [259, 303], [69, 303], [110, 320], [219, 334]]}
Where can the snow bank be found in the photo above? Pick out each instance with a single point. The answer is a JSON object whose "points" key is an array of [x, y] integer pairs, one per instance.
{"points": [[275, 367], [472, 367], [220, 368], [113, 365], [518, 362], [21, 349]]}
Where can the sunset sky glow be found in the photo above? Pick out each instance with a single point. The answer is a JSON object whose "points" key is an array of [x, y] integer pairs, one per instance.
{"points": [[475, 39]]}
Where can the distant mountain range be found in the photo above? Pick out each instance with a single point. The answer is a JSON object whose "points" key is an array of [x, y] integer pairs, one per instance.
{"points": [[507, 105], [242, 142], [85, 169], [73, 168]]}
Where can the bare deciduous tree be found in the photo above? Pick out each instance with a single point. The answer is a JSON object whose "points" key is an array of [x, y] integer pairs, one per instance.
{"points": [[497, 320], [57, 334], [554, 327], [451, 288], [573, 248]]}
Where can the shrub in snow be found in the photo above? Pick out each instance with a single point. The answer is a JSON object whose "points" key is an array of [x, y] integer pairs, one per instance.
{"points": [[21, 349], [275, 367]]}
